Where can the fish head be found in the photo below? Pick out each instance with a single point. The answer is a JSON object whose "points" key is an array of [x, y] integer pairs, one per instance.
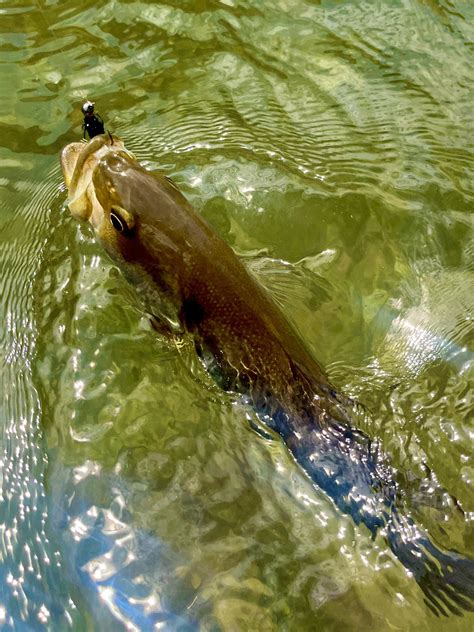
{"points": [[80, 162], [141, 219]]}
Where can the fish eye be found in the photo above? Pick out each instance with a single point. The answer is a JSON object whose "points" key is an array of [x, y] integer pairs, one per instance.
{"points": [[121, 219], [116, 222]]}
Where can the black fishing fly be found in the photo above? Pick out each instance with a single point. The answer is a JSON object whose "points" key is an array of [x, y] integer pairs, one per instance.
{"points": [[93, 124]]}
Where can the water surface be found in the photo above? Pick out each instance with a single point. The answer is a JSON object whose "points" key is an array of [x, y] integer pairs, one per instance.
{"points": [[331, 144]]}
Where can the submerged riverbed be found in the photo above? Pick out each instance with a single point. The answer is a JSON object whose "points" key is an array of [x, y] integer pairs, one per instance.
{"points": [[331, 143]]}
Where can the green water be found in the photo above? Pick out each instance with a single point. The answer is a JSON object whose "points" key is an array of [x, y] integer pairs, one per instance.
{"points": [[331, 143]]}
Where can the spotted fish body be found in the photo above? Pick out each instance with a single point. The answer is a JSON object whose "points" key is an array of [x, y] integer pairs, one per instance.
{"points": [[192, 280]]}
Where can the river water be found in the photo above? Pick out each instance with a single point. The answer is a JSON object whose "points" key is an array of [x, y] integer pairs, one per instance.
{"points": [[331, 143]]}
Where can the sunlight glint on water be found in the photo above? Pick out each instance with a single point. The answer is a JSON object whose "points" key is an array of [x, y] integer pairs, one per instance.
{"points": [[331, 144]]}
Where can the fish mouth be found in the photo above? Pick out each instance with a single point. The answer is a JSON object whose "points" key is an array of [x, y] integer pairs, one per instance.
{"points": [[69, 157], [78, 162]]}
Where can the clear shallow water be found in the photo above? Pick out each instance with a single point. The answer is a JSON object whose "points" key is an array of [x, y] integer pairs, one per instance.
{"points": [[331, 145]]}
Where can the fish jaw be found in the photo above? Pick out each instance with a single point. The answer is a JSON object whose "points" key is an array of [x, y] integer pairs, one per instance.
{"points": [[78, 163], [69, 156]]}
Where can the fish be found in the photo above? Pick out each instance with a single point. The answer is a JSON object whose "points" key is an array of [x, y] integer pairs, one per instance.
{"points": [[191, 281]]}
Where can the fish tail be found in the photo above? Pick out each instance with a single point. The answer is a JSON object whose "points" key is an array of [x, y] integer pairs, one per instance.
{"points": [[445, 577], [348, 466]]}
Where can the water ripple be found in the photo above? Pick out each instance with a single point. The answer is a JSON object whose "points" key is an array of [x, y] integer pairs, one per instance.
{"points": [[327, 142]]}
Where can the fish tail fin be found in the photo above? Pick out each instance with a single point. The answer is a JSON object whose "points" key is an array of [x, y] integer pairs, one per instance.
{"points": [[445, 577], [347, 465]]}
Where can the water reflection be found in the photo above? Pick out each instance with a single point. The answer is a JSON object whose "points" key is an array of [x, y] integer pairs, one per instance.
{"points": [[36, 586], [126, 569], [332, 136]]}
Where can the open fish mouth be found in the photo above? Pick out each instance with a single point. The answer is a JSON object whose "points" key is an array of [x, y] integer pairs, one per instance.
{"points": [[69, 157], [78, 162]]}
